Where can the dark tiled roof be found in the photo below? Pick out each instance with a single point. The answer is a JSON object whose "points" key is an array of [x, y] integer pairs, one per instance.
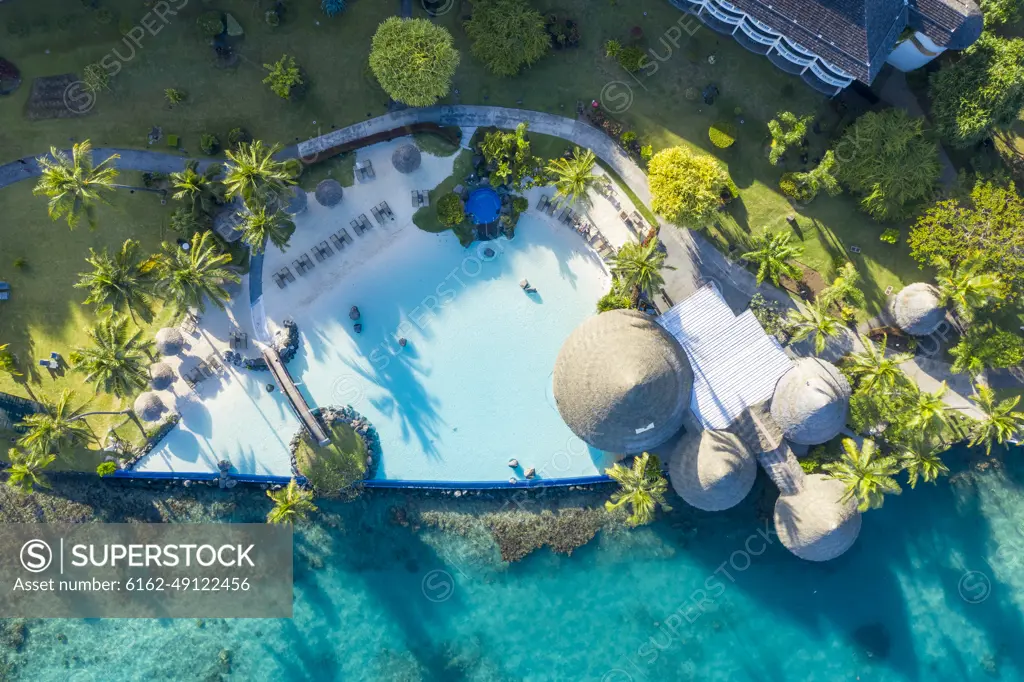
{"points": [[858, 35]]}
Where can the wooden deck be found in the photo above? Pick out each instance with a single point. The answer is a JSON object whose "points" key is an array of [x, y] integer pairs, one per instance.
{"points": [[287, 385]]}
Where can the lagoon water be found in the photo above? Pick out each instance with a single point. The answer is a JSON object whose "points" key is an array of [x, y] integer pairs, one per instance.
{"points": [[932, 590]]}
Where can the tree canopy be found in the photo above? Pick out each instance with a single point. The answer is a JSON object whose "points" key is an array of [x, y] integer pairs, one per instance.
{"points": [[886, 159], [414, 60], [989, 226], [507, 35], [510, 156], [983, 91], [686, 187]]}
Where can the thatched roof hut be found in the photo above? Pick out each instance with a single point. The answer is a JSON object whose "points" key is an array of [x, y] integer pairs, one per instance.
{"points": [[169, 341], [149, 407], [712, 470], [917, 310], [622, 383], [811, 401], [813, 523], [297, 201], [328, 193], [161, 376], [406, 158]]}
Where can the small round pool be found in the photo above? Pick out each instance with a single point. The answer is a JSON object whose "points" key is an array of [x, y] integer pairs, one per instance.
{"points": [[483, 206]]}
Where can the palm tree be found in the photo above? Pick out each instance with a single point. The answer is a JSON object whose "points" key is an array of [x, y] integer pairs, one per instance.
{"points": [[638, 268], [922, 461], [642, 487], [875, 369], [8, 364], [1000, 422], [866, 475], [928, 411], [121, 282], [202, 190], [190, 277], [814, 320], [26, 470], [291, 504], [74, 184], [262, 224], [254, 175], [58, 426], [845, 288], [116, 361], [573, 177], [966, 285], [773, 252]]}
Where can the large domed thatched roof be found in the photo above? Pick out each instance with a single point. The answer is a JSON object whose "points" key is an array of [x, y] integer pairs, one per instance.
{"points": [[149, 407], [811, 401], [712, 470], [169, 341], [813, 523], [328, 193], [622, 383], [161, 376], [917, 310], [406, 158]]}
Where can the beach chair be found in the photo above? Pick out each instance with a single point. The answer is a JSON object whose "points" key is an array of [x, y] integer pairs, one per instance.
{"points": [[386, 211], [298, 267], [344, 236], [278, 280], [306, 262], [189, 324], [190, 382], [376, 215], [424, 197], [551, 208], [357, 226], [204, 368], [365, 221], [213, 363], [338, 244], [543, 203], [317, 253], [368, 169], [416, 201], [287, 275]]}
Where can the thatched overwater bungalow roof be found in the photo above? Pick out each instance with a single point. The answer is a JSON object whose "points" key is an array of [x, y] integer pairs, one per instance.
{"points": [[917, 309], [622, 383], [811, 402], [712, 470], [813, 523]]}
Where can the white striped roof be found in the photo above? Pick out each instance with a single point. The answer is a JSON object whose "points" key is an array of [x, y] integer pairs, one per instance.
{"points": [[735, 363]]}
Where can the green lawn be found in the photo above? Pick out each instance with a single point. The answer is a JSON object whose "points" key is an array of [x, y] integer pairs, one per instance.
{"points": [[336, 466], [426, 217]]}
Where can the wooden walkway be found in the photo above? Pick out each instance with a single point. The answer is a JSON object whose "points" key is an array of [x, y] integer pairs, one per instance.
{"points": [[287, 385]]}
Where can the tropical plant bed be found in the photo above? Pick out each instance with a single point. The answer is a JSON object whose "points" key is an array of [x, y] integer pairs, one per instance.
{"points": [[335, 467]]}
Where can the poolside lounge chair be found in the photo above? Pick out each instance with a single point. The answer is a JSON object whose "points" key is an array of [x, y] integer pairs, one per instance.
{"points": [[551, 207], [417, 198], [338, 244], [189, 324], [424, 197], [286, 274], [214, 363], [278, 280], [386, 211], [326, 249], [368, 169], [376, 215], [204, 368], [543, 203], [357, 226], [299, 267], [344, 236], [306, 262], [637, 218], [190, 382], [365, 221]]}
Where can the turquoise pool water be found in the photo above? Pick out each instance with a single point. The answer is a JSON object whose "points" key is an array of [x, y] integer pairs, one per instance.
{"points": [[472, 387], [483, 206], [900, 606]]}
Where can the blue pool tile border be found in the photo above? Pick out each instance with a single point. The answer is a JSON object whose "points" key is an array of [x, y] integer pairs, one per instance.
{"points": [[371, 483]]}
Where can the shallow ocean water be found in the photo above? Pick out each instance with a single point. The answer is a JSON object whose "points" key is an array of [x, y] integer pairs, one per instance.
{"points": [[931, 591]]}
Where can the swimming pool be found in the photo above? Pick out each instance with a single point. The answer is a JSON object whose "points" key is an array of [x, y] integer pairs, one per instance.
{"points": [[472, 387], [483, 206]]}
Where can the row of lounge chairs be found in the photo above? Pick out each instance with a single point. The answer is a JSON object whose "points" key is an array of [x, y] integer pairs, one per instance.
{"points": [[340, 239], [205, 369], [580, 224]]}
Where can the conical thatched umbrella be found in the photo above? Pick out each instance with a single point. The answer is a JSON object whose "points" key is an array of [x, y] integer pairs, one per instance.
{"points": [[149, 407], [811, 401], [160, 376], [712, 470], [296, 202], [622, 383], [328, 193], [406, 158], [813, 523], [917, 310], [169, 341]]}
